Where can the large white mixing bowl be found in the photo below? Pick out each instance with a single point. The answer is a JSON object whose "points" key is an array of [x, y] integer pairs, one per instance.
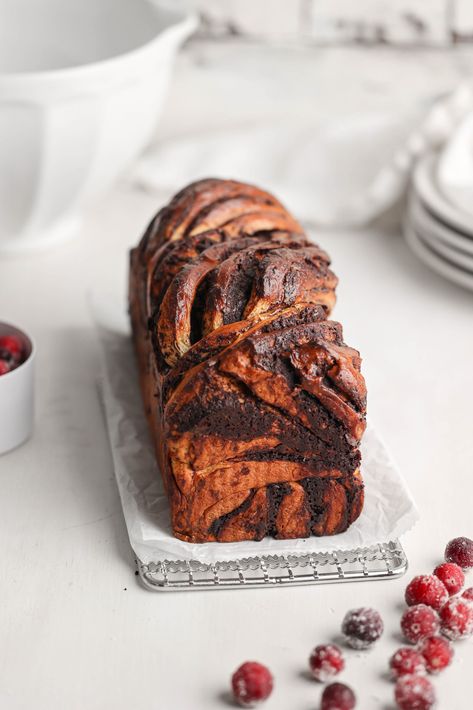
{"points": [[82, 83]]}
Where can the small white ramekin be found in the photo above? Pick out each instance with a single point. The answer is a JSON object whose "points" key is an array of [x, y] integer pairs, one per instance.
{"points": [[17, 395]]}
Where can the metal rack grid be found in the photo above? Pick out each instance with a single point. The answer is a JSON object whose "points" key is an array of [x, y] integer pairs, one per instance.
{"points": [[383, 561]]}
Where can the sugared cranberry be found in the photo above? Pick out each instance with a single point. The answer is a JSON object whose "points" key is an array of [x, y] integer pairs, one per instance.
{"points": [[338, 696], [326, 661], [437, 653], [419, 622], [12, 345], [451, 575], [407, 661], [468, 594], [362, 627], [426, 589], [4, 367], [456, 618], [414, 692], [460, 551], [251, 684]]}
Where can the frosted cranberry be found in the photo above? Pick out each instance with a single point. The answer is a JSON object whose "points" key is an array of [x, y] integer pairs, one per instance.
{"points": [[451, 575], [468, 594], [407, 661], [414, 692], [12, 345], [456, 618], [251, 684], [426, 589], [4, 367], [338, 696], [326, 661], [460, 551], [437, 653], [419, 622], [362, 627]]}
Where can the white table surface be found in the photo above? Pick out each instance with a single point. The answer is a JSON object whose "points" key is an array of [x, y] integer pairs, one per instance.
{"points": [[77, 631]]}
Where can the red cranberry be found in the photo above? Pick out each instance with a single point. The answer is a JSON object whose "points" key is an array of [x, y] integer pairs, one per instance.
{"points": [[456, 618], [460, 551], [251, 683], [451, 575], [338, 696], [426, 589], [362, 627], [437, 653], [468, 594], [414, 692], [12, 345], [4, 367], [407, 661], [418, 622], [326, 661]]}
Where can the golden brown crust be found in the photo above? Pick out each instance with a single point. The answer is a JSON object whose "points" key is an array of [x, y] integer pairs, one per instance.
{"points": [[255, 404], [178, 218]]}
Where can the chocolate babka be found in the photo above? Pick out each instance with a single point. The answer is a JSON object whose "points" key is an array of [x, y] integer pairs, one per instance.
{"points": [[255, 404]]}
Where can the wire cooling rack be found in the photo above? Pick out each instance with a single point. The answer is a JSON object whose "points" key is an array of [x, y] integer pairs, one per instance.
{"points": [[383, 561]]}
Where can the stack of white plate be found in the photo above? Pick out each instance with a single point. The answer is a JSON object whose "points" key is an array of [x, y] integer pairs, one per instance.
{"points": [[438, 232]]}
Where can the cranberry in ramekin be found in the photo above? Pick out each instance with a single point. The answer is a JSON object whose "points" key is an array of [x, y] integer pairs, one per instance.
{"points": [[17, 356]]}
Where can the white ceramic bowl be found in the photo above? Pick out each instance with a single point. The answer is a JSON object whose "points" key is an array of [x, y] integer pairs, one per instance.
{"points": [[82, 83], [17, 395]]}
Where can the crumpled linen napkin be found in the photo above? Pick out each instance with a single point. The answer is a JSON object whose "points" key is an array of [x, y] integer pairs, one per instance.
{"points": [[346, 172]]}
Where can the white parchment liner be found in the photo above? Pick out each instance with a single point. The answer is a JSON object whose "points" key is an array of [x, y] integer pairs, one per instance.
{"points": [[389, 509]]}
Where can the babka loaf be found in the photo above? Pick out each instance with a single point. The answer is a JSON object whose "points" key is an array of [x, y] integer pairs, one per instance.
{"points": [[255, 404]]}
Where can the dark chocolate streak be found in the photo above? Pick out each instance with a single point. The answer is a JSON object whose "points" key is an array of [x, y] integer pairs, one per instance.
{"points": [[275, 493], [326, 436], [197, 310], [239, 292], [231, 418], [218, 524], [314, 489]]}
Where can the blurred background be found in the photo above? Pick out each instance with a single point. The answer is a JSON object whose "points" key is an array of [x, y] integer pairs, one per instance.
{"points": [[328, 103], [369, 22]]}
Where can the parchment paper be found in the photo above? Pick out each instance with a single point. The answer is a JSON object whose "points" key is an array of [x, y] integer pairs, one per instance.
{"points": [[389, 509]]}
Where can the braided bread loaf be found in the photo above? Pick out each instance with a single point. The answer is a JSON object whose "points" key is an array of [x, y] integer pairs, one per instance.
{"points": [[255, 404]]}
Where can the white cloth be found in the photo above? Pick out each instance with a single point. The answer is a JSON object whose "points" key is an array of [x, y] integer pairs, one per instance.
{"points": [[344, 173]]}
